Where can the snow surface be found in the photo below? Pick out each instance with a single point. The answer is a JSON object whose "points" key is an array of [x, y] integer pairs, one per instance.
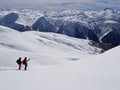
{"points": [[44, 48], [57, 63], [97, 73]]}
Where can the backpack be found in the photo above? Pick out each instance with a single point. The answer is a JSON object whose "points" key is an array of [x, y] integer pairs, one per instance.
{"points": [[24, 62], [18, 61]]}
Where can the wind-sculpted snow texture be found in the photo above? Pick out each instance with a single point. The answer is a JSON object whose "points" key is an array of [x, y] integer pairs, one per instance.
{"points": [[100, 26], [45, 48]]}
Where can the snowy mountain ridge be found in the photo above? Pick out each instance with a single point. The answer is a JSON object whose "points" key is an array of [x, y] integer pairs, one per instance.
{"points": [[30, 16], [99, 26]]}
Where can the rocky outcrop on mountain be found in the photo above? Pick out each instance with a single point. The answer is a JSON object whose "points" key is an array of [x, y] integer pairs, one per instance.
{"points": [[43, 25], [10, 21], [113, 34], [79, 31]]}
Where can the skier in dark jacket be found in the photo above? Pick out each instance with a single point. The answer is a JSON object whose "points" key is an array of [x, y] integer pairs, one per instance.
{"points": [[25, 61], [19, 62]]}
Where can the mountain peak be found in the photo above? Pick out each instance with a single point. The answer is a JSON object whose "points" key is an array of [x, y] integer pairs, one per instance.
{"points": [[109, 10]]}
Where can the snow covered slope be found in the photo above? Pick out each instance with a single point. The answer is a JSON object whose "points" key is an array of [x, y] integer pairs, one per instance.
{"points": [[42, 48], [96, 73]]}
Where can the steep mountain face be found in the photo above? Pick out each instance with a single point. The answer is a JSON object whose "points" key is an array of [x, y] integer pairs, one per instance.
{"points": [[10, 21], [78, 30], [99, 26], [43, 25], [108, 33], [107, 27], [113, 37]]}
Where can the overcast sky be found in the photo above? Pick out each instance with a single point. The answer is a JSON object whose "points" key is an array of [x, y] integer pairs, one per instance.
{"points": [[61, 4]]}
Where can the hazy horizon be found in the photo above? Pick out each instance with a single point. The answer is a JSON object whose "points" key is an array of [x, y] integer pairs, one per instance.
{"points": [[61, 4]]}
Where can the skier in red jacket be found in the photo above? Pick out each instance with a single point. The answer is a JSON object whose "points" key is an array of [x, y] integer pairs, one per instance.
{"points": [[25, 61]]}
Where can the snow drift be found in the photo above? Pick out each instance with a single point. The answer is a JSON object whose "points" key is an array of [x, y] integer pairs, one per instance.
{"points": [[42, 48]]}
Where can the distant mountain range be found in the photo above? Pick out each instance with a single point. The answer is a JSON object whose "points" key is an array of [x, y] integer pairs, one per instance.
{"points": [[102, 27]]}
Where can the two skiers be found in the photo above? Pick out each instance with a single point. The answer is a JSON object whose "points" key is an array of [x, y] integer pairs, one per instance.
{"points": [[24, 62]]}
